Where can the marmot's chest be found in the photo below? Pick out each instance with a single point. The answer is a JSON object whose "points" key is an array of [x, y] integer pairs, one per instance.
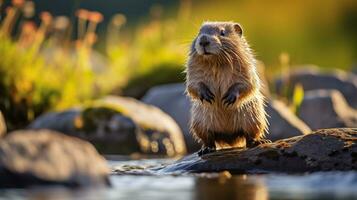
{"points": [[220, 79]]}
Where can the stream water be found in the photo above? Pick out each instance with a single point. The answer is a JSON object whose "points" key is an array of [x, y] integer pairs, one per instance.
{"points": [[130, 180]]}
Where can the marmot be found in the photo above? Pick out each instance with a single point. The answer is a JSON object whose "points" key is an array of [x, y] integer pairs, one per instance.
{"points": [[225, 89]]}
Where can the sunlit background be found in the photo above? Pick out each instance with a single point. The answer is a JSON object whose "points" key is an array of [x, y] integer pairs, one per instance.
{"points": [[59, 54]]}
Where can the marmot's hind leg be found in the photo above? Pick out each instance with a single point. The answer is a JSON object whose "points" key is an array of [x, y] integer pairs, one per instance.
{"points": [[255, 135], [231, 140], [208, 146], [206, 138]]}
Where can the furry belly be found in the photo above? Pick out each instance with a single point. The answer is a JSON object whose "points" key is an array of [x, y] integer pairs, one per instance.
{"points": [[214, 118]]}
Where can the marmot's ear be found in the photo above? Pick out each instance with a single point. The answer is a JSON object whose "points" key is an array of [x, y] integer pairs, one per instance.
{"points": [[238, 29]]}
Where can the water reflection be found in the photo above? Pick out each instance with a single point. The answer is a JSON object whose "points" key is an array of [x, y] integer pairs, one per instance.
{"points": [[211, 186], [151, 187], [234, 188]]}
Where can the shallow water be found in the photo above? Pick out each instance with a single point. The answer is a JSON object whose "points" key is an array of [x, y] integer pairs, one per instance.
{"points": [[321, 185]]}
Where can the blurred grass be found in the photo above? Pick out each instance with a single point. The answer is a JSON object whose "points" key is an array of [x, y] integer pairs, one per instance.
{"points": [[43, 70]]}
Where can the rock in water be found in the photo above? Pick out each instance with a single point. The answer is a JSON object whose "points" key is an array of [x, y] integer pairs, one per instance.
{"points": [[119, 125], [46, 157], [2, 125], [313, 79], [283, 123], [323, 150], [327, 109]]}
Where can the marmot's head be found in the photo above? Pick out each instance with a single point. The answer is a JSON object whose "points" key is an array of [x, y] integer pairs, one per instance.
{"points": [[217, 38], [220, 42]]}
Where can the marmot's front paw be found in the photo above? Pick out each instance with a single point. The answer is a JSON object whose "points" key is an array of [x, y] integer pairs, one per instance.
{"points": [[230, 97], [205, 150], [205, 93]]}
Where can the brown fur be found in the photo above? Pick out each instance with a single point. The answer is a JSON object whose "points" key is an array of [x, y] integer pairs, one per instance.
{"points": [[218, 125]]}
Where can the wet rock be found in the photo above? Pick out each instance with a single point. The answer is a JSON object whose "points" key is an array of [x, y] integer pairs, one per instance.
{"points": [[2, 125], [323, 150], [313, 79], [283, 123], [172, 100], [119, 125], [326, 109], [46, 157]]}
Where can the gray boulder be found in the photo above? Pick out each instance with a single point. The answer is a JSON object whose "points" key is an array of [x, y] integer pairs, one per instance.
{"points": [[60, 121], [323, 150], [45, 157], [283, 123], [119, 125], [2, 125], [313, 79], [172, 100], [326, 109]]}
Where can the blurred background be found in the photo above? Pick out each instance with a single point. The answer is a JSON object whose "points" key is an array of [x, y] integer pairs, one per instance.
{"points": [[59, 54]]}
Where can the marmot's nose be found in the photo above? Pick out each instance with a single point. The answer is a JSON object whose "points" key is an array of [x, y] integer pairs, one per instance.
{"points": [[204, 41]]}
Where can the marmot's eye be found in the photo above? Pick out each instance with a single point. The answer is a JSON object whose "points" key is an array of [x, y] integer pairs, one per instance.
{"points": [[222, 32]]}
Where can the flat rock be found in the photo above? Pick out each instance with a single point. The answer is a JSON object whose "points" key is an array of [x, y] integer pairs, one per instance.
{"points": [[119, 125], [313, 79], [323, 150], [326, 109], [2, 125], [283, 123], [46, 157]]}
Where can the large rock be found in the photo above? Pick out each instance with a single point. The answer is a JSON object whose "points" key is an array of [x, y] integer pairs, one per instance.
{"points": [[45, 157], [323, 150], [326, 109], [172, 100], [313, 79], [283, 123], [119, 125], [2, 125]]}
